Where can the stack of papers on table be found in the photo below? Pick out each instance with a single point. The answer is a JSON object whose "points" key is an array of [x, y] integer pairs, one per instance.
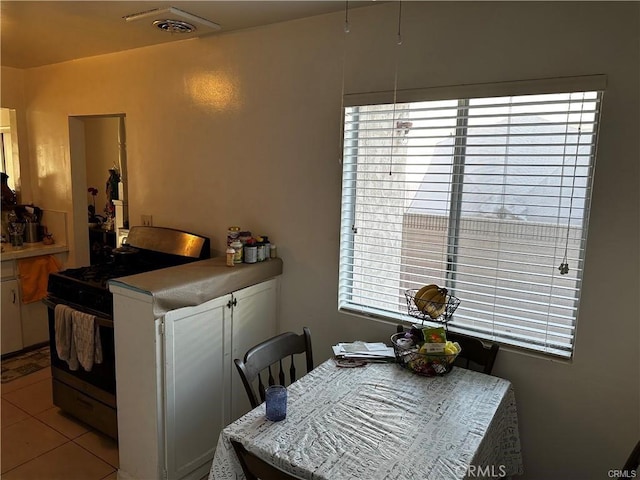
{"points": [[364, 351]]}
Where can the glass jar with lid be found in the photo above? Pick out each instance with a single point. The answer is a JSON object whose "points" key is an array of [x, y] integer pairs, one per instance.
{"points": [[232, 235], [238, 249], [250, 253]]}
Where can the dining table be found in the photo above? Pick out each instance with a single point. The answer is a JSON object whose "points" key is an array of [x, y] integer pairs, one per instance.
{"points": [[381, 421]]}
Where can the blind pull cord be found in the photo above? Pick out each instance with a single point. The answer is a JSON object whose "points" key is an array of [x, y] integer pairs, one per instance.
{"points": [[564, 266]]}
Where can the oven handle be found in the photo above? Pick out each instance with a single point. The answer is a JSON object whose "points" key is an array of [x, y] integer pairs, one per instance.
{"points": [[102, 321]]}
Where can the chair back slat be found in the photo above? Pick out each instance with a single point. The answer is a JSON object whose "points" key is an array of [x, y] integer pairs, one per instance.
{"points": [[281, 373], [270, 353], [272, 381], [292, 371]]}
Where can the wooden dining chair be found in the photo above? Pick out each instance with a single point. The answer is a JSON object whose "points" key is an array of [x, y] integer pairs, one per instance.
{"points": [[475, 354], [255, 468], [268, 358]]}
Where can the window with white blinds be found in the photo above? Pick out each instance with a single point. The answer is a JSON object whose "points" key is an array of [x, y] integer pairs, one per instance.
{"points": [[485, 195]]}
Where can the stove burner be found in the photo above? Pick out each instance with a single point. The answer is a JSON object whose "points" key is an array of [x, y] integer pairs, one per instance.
{"points": [[155, 248], [98, 275]]}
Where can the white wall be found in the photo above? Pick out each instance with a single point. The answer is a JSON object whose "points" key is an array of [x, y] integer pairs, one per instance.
{"points": [[243, 129]]}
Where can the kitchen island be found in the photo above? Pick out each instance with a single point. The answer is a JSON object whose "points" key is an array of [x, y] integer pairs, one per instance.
{"points": [[177, 331]]}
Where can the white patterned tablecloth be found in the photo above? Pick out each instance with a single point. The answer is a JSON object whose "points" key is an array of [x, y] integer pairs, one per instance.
{"points": [[383, 422]]}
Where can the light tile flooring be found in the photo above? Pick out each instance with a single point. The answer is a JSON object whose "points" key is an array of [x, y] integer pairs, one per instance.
{"points": [[40, 442]]}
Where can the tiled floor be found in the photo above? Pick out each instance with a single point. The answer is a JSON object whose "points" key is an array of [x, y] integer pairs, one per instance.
{"points": [[39, 442]]}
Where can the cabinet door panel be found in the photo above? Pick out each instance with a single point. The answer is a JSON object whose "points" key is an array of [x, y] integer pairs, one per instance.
{"points": [[35, 326], [254, 321], [194, 379], [11, 332]]}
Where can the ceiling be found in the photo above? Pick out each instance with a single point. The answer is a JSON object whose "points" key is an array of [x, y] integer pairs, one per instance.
{"points": [[36, 33]]}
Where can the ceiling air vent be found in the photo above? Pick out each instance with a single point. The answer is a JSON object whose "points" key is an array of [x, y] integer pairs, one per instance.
{"points": [[174, 20], [174, 26]]}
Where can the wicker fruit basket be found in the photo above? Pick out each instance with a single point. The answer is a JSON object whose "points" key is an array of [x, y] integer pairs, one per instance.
{"points": [[447, 308], [427, 364]]}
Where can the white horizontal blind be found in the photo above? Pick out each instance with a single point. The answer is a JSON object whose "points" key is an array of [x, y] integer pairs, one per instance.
{"points": [[485, 196]]}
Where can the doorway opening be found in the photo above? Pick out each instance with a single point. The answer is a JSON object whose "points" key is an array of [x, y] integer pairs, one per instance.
{"points": [[99, 181]]}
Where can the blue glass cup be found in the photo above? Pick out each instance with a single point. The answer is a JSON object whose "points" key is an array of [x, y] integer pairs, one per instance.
{"points": [[276, 399]]}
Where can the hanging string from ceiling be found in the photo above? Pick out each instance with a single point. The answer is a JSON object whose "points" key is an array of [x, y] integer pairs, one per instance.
{"points": [[395, 87], [346, 17], [347, 29]]}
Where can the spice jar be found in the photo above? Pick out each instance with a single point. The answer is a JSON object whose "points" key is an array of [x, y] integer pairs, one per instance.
{"points": [[260, 255], [273, 251], [237, 248], [230, 257], [250, 253], [244, 237], [267, 247]]}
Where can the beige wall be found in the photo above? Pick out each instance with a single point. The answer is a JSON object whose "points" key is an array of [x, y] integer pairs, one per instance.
{"points": [[243, 129]]}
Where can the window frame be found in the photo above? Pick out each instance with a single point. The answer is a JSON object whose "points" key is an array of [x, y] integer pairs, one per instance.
{"points": [[464, 93]]}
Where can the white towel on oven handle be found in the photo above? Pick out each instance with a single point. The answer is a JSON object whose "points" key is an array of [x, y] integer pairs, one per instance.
{"points": [[86, 339], [77, 338], [65, 346]]}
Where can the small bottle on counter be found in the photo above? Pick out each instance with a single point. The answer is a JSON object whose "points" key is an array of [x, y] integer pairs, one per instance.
{"points": [[232, 235], [250, 253], [260, 245], [244, 237], [237, 248], [231, 253], [267, 247], [48, 239], [273, 251]]}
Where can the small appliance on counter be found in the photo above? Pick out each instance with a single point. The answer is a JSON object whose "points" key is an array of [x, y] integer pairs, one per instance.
{"points": [[23, 224], [31, 232]]}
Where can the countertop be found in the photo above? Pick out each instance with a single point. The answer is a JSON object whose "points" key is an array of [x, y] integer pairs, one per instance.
{"points": [[31, 250], [197, 282]]}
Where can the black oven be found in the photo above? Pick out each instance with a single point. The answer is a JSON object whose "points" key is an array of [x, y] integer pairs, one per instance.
{"points": [[90, 396]]}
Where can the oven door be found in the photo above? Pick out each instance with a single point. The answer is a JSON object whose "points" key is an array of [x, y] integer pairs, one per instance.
{"points": [[88, 395]]}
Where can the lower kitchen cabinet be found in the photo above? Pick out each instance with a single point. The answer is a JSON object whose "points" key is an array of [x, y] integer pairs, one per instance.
{"points": [[11, 331], [177, 385], [35, 330], [23, 325], [194, 378]]}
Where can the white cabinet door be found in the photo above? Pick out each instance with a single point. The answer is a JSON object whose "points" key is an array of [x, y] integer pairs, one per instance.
{"points": [[11, 331], [35, 325], [254, 320], [194, 375]]}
